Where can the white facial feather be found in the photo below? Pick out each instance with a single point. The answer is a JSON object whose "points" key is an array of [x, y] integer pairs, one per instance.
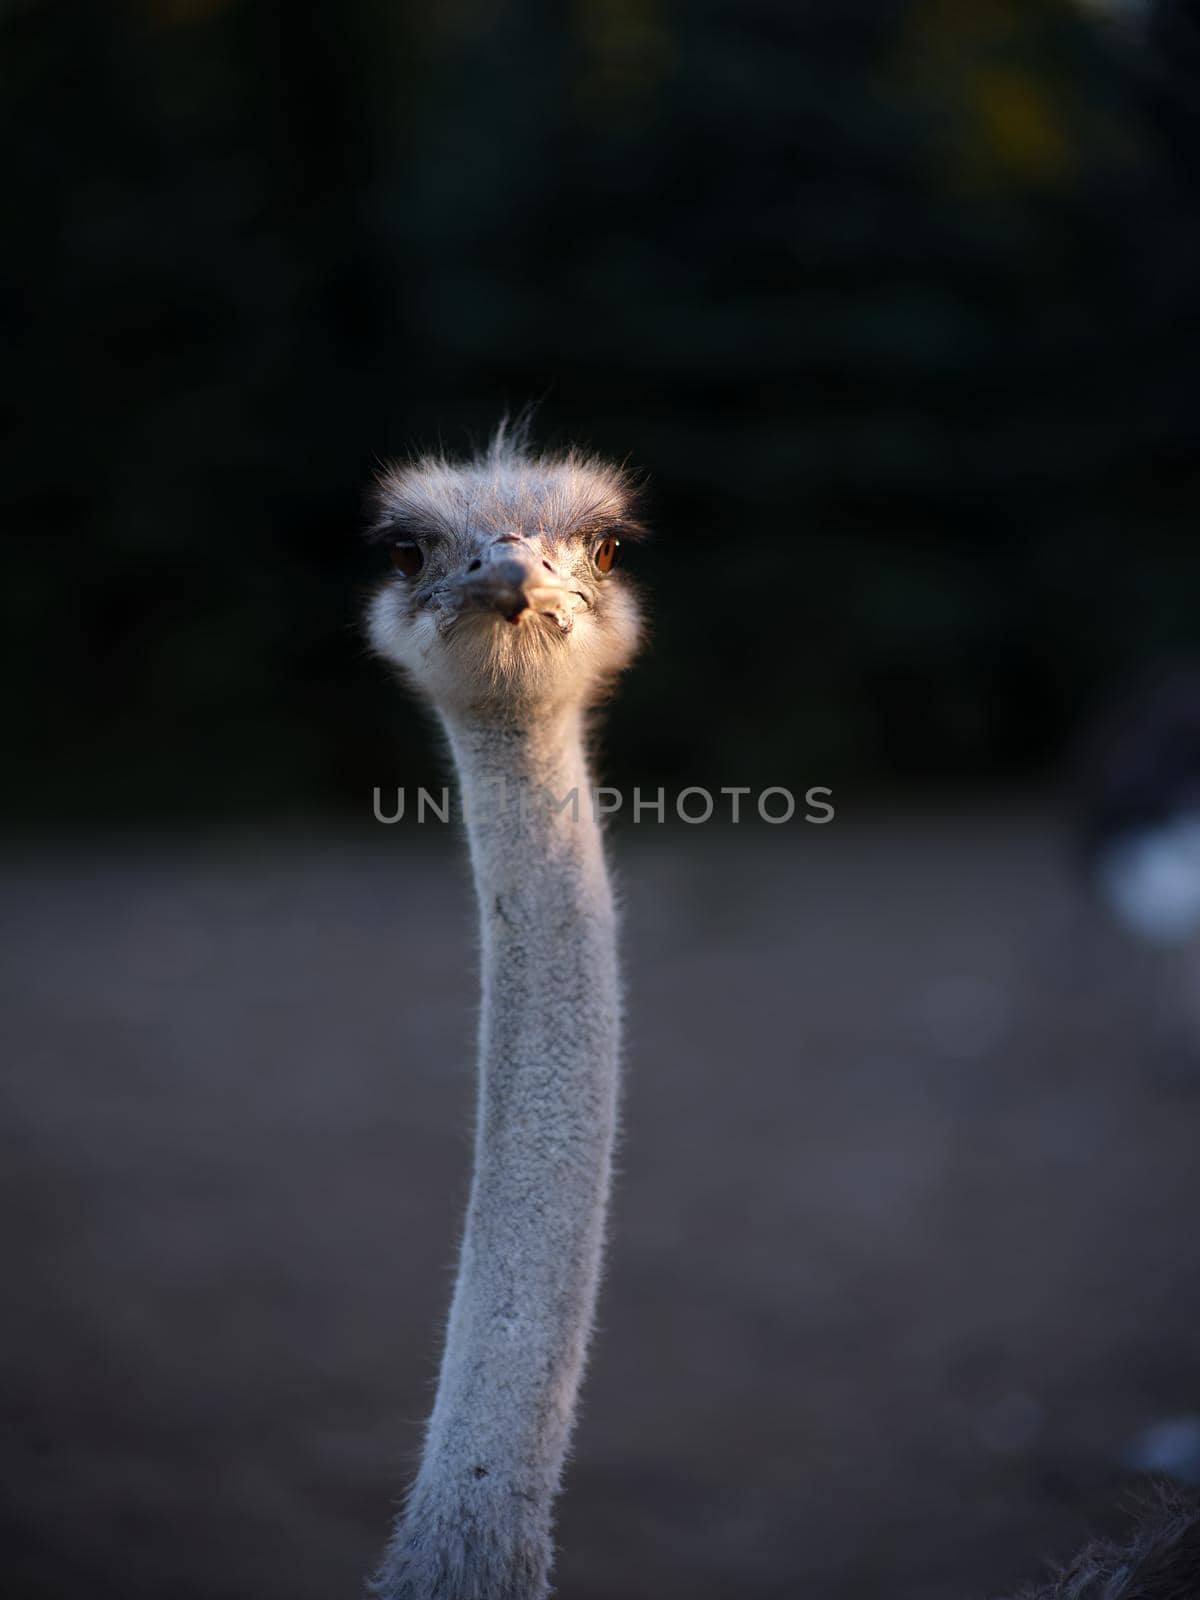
{"points": [[556, 508]]}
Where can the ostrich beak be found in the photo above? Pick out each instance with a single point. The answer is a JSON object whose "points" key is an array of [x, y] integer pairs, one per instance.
{"points": [[511, 579]]}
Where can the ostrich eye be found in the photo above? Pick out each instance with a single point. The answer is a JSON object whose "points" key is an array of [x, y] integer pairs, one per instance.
{"points": [[408, 558], [605, 554]]}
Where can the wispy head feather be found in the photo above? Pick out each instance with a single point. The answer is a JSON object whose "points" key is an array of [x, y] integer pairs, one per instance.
{"points": [[506, 485], [1159, 1561]]}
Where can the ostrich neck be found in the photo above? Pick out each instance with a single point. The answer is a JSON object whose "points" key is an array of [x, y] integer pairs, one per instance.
{"points": [[530, 1256]]}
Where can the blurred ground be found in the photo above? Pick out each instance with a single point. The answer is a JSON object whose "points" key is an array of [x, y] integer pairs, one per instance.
{"points": [[904, 1252]]}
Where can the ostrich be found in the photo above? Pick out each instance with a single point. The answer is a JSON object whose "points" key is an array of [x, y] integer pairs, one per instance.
{"points": [[506, 614], [1140, 836]]}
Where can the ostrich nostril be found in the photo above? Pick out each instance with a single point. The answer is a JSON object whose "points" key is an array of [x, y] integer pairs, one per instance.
{"points": [[474, 566], [547, 566]]}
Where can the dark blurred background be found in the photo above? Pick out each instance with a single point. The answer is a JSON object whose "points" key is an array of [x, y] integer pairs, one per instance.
{"points": [[894, 306], [893, 303]]}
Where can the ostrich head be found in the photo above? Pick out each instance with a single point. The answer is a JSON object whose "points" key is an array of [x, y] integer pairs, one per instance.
{"points": [[504, 599]]}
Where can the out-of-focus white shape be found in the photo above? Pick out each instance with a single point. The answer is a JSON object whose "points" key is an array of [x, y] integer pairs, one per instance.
{"points": [[1171, 1446], [1151, 880]]}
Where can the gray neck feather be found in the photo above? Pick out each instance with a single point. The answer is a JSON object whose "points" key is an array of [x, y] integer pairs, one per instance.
{"points": [[477, 1522]]}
